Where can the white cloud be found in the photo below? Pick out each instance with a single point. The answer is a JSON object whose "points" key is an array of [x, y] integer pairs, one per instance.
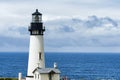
{"points": [[62, 22], [85, 49], [22, 9], [63, 34], [77, 33]]}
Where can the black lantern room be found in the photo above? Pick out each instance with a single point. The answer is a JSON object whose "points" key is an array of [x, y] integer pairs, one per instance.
{"points": [[36, 27]]}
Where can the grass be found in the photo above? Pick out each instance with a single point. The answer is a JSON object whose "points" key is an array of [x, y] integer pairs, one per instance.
{"points": [[8, 79]]}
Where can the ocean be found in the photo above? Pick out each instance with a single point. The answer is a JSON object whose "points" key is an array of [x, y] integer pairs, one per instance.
{"points": [[76, 66]]}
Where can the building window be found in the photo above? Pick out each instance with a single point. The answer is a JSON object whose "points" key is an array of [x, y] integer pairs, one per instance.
{"points": [[40, 55], [35, 32], [35, 76], [38, 76]]}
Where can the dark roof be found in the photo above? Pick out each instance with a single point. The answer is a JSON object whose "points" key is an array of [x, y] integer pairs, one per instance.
{"points": [[47, 70], [37, 12]]}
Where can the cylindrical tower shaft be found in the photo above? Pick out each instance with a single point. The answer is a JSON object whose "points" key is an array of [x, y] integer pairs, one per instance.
{"points": [[36, 47], [36, 53]]}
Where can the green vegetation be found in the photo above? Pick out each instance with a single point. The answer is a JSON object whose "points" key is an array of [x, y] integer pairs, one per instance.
{"points": [[8, 79]]}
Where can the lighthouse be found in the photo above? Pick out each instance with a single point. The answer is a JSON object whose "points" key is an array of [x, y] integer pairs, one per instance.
{"points": [[36, 62], [36, 47]]}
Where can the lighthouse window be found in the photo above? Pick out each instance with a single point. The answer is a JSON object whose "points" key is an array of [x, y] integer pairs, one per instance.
{"points": [[40, 55], [37, 18], [35, 32]]}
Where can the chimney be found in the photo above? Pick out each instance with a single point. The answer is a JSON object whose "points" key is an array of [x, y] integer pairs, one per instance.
{"points": [[55, 65], [20, 76]]}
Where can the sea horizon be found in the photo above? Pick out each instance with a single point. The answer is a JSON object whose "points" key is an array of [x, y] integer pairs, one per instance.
{"points": [[73, 65], [64, 52]]}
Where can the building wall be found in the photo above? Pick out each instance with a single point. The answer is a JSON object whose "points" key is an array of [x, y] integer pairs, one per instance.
{"points": [[41, 76], [56, 77], [37, 76], [46, 76]]}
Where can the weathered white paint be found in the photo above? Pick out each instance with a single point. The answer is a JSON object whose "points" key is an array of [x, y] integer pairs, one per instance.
{"points": [[36, 47]]}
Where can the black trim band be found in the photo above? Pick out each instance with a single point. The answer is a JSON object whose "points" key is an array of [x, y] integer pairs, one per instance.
{"points": [[30, 76]]}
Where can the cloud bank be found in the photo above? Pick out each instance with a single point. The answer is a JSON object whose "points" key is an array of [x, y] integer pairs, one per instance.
{"points": [[76, 33], [93, 34]]}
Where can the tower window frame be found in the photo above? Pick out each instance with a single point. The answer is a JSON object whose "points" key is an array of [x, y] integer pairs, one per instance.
{"points": [[40, 55]]}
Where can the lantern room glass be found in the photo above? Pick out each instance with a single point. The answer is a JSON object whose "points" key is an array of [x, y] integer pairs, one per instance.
{"points": [[36, 18]]}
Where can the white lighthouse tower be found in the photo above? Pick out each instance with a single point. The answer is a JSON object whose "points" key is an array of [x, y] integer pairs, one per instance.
{"points": [[36, 48], [36, 63]]}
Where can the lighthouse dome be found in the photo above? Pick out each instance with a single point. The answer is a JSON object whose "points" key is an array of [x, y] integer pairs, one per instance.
{"points": [[37, 17], [36, 13]]}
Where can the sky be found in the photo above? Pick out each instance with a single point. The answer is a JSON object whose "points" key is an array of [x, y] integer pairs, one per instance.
{"points": [[71, 25]]}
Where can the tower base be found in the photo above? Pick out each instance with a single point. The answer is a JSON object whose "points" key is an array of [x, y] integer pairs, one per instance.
{"points": [[29, 78]]}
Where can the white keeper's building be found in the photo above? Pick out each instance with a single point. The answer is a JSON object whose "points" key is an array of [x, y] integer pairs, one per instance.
{"points": [[36, 62]]}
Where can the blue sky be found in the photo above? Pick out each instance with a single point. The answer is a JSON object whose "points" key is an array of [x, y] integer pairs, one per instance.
{"points": [[71, 25]]}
